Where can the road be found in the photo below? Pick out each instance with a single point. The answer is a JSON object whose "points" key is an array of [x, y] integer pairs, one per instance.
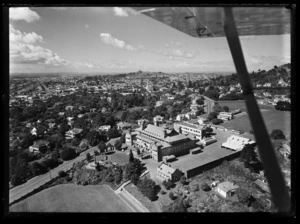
{"points": [[35, 182]]}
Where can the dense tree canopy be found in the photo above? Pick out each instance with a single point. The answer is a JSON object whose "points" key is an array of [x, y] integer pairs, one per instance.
{"points": [[277, 134]]}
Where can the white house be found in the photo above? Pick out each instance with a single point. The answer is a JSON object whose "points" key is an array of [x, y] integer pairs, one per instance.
{"points": [[33, 131], [104, 128], [226, 189], [180, 117]]}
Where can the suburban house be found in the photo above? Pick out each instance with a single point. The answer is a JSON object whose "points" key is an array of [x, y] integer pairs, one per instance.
{"points": [[226, 189], [237, 143], [39, 145], [180, 117], [69, 107], [157, 120], [123, 126], [104, 128], [166, 172], [73, 133], [225, 116], [140, 121], [159, 103], [93, 110], [263, 185]]}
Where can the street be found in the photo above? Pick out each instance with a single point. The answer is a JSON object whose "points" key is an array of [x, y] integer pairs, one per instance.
{"points": [[35, 182]]}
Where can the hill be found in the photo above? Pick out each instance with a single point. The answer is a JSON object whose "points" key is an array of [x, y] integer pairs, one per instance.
{"points": [[73, 198]]}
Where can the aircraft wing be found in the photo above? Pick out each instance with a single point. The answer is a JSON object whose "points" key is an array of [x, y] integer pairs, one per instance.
{"points": [[208, 21]]}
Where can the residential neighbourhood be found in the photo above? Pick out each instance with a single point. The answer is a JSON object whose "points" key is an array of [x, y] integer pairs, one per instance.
{"points": [[136, 127]]}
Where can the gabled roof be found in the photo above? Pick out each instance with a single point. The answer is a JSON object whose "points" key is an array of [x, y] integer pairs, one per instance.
{"points": [[227, 186], [166, 169]]}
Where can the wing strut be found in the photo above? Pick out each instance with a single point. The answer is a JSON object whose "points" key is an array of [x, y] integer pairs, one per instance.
{"points": [[273, 173]]}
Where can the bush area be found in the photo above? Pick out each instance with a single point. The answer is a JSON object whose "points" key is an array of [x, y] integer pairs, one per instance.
{"points": [[242, 201]]}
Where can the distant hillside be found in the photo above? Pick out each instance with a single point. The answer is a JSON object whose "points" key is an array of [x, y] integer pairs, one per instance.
{"points": [[273, 75], [72, 198]]}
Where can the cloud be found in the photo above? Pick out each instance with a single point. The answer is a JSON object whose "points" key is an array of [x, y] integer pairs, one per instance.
{"points": [[86, 64], [86, 26], [120, 11], [286, 59], [256, 60], [109, 39], [183, 65], [23, 50], [29, 54], [19, 37], [24, 13]]}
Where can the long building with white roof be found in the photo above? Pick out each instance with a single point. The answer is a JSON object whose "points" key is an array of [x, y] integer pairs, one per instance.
{"points": [[237, 143]]}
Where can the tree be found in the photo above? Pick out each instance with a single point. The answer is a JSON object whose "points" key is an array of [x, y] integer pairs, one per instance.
{"points": [[212, 115], [134, 179], [138, 151], [248, 155], [283, 105], [88, 157], [205, 187], [93, 137], [131, 158], [113, 133], [62, 173], [122, 139], [147, 188], [209, 129], [180, 86], [67, 154], [212, 94], [16, 180], [102, 147], [179, 205], [243, 196], [63, 129], [277, 134], [183, 180], [98, 167], [217, 108], [226, 108], [194, 187], [168, 184], [118, 144], [36, 168], [216, 121], [200, 101]]}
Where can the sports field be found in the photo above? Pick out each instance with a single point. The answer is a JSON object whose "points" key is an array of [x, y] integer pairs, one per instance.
{"points": [[73, 198], [273, 119], [240, 104]]}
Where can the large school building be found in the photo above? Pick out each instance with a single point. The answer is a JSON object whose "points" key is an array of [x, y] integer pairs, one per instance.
{"points": [[160, 142]]}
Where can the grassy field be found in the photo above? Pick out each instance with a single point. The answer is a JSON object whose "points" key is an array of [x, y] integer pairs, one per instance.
{"points": [[239, 104], [119, 157], [274, 119], [73, 198]]}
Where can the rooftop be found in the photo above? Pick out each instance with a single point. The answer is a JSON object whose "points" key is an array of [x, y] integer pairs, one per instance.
{"points": [[227, 186], [164, 168], [162, 133]]}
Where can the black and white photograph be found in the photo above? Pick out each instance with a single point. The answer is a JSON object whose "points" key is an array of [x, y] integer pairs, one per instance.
{"points": [[150, 109]]}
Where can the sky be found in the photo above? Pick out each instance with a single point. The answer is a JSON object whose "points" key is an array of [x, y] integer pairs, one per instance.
{"points": [[116, 39]]}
